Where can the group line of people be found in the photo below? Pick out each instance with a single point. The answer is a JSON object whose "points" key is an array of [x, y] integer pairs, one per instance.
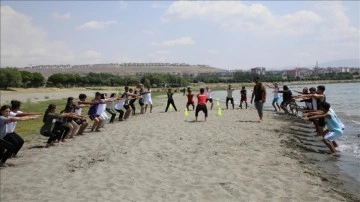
{"points": [[71, 122]]}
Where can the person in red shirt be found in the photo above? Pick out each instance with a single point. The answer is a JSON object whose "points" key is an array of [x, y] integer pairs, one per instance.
{"points": [[201, 106], [190, 101], [243, 97]]}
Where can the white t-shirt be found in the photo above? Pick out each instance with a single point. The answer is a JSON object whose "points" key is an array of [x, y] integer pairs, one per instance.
{"points": [[78, 111], [119, 104], [276, 90], [110, 105], [10, 127], [208, 94], [148, 96], [101, 108]]}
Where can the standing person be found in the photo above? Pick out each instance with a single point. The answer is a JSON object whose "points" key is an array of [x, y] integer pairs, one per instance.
{"points": [[184, 91], [229, 97], [10, 128], [243, 97], [276, 96], [334, 126], [208, 94], [148, 100], [259, 93], [110, 107], [190, 100], [7, 141], [201, 106], [287, 97], [170, 100]]}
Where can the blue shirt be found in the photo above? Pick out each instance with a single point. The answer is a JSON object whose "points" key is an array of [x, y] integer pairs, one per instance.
{"points": [[333, 123]]}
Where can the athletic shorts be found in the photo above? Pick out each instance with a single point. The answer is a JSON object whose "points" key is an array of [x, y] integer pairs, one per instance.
{"points": [[148, 102], [243, 99], [92, 117], [276, 100], [285, 102], [79, 121], [201, 108], [331, 136], [230, 99], [209, 99], [190, 103], [127, 106]]}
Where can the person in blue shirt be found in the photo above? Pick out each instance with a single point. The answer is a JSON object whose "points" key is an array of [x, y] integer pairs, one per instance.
{"points": [[334, 126]]}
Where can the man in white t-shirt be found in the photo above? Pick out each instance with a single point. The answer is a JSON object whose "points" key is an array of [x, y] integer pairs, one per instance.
{"points": [[208, 93]]}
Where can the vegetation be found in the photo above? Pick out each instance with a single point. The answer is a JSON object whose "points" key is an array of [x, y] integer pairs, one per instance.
{"points": [[12, 77]]}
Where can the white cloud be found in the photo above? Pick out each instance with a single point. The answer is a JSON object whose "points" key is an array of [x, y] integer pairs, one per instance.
{"points": [[175, 42], [96, 24], [236, 15], [23, 44], [57, 15]]}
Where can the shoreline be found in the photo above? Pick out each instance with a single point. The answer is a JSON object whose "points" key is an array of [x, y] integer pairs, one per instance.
{"points": [[161, 157], [310, 151]]}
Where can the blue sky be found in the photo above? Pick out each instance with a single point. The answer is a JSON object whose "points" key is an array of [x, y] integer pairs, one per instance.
{"points": [[224, 34]]}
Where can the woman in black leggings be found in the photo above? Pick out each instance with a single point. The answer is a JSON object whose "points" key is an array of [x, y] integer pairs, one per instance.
{"points": [[47, 128]]}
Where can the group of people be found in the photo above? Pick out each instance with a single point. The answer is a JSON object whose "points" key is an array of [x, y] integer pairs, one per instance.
{"points": [[71, 121], [316, 109]]}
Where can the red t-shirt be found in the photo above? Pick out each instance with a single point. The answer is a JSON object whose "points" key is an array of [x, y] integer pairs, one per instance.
{"points": [[201, 99], [190, 98]]}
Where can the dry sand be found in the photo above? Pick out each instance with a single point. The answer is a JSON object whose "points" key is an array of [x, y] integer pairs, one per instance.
{"points": [[162, 157]]}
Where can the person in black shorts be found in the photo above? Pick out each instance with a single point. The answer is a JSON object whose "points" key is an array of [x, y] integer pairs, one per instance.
{"points": [[287, 97]]}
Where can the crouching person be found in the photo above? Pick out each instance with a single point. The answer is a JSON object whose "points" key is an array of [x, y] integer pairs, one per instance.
{"points": [[47, 128]]}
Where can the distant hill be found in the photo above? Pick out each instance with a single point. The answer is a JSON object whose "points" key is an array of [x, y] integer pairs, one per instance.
{"points": [[130, 70]]}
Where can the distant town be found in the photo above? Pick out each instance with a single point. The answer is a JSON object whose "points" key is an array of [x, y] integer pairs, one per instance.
{"points": [[299, 72]]}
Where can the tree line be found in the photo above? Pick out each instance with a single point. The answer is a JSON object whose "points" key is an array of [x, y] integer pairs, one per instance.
{"points": [[13, 77]]}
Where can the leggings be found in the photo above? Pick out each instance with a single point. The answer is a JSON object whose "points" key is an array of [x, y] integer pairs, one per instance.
{"points": [[170, 101], [113, 114], [52, 136], [60, 131], [18, 141], [10, 148], [132, 105], [121, 113]]}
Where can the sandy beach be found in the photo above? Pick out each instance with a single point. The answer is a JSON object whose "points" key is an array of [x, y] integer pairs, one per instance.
{"points": [[169, 157]]}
